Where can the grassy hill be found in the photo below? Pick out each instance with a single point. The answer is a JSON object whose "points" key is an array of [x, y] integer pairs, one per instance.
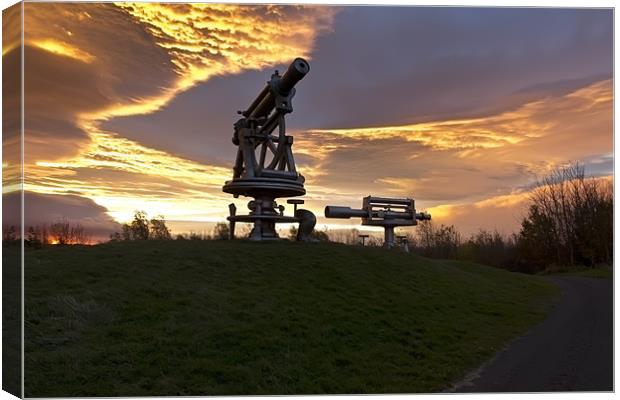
{"points": [[210, 317]]}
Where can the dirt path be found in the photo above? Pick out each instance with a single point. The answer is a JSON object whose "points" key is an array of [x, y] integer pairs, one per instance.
{"points": [[571, 350]]}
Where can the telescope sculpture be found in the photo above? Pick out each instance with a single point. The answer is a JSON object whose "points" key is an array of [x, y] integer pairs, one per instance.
{"points": [[380, 211], [265, 168]]}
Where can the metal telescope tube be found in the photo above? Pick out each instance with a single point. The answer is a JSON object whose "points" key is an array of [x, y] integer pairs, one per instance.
{"points": [[391, 214], [257, 101], [348, 212], [390, 201], [295, 72], [344, 212], [265, 102]]}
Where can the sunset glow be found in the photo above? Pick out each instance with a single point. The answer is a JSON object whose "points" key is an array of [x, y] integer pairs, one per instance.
{"points": [[470, 159], [63, 49]]}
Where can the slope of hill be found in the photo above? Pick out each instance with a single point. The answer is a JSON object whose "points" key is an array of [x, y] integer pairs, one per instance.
{"points": [[219, 317]]}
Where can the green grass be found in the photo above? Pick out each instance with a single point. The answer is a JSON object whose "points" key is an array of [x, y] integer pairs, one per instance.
{"points": [[213, 318], [601, 272], [11, 322]]}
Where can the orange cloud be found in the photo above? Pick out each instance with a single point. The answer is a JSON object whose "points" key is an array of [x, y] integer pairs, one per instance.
{"points": [[503, 213], [63, 49], [193, 42], [141, 55], [11, 28], [466, 159], [206, 40], [140, 178], [11, 89], [501, 130]]}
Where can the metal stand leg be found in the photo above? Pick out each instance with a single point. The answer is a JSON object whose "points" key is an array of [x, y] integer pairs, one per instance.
{"points": [[389, 237], [264, 228], [231, 227]]}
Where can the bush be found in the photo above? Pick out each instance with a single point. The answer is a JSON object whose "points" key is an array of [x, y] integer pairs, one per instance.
{"points": [[143, 229]]}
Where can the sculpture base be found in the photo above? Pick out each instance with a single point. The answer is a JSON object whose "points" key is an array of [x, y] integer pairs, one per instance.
{"points": [[264, 211], [265, 187]]}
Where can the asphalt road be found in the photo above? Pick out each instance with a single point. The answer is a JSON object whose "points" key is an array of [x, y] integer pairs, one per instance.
{"points": [[572, 350]]}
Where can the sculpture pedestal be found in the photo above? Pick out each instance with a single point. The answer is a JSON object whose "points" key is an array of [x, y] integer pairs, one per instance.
{"points": [[265, 213]]}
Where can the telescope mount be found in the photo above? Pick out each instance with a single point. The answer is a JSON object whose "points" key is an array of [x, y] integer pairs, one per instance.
{"points": [[265, 167]]}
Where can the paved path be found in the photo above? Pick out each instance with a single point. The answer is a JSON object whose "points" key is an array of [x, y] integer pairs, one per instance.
{"points": [[571, 350]]}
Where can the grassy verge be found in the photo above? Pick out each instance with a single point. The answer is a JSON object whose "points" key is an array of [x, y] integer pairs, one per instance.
{"points": [[601, 272], [213, 318]]}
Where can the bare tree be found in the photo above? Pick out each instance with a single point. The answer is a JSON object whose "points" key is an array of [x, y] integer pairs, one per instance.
{"points": [[60, 232], [78, 235], [9, 235], [569, 221], [438, 242]]}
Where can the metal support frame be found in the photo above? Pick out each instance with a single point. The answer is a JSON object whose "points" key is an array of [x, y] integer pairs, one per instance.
{"points": [[264, 166]]}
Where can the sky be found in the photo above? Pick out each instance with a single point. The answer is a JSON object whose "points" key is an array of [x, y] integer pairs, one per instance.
{"points": [[130, 106]]}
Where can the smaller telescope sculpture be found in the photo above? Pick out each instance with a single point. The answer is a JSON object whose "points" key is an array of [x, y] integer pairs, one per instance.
{"points": [[381, 211], [265, 168]]}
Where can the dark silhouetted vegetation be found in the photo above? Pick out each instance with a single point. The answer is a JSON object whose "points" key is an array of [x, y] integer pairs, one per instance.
{"points": [[569, 221], [158, 229], [436, 242], [141, 228], [61, 232], [65, 233], [569, 224], [221, 231], [10, 236], [317, 235]]}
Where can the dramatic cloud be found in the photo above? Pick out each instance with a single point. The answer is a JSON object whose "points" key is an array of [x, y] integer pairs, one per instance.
{"points": [[131, 105], [45, 209], [386, 66], [501, 213], [11, 28], [125, 176], [464, 160], [88, 63], [81, 59], [205, 40], [11, 106], [91, 62]]}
